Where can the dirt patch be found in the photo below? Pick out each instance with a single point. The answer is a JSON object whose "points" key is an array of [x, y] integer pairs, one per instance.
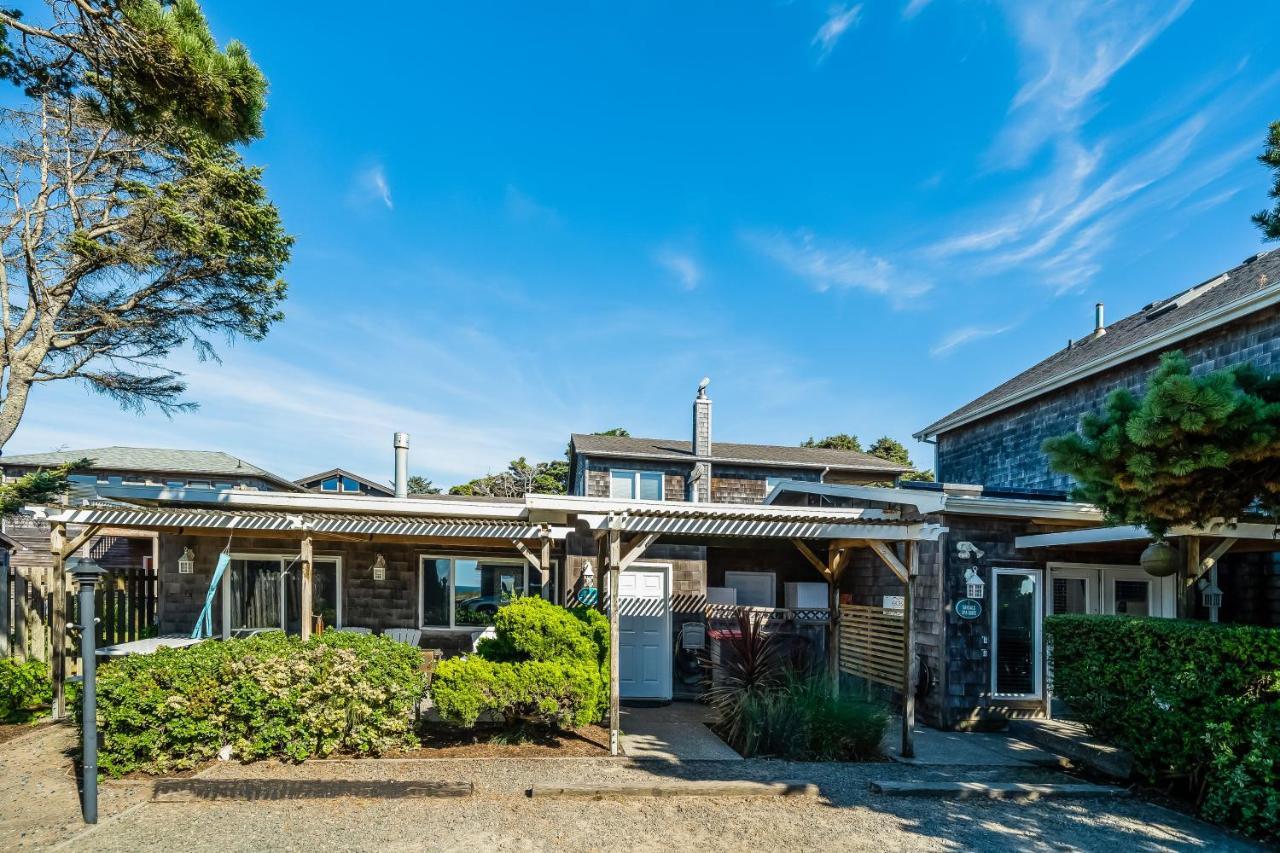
{"points": [[9, 731], [528, 742]]}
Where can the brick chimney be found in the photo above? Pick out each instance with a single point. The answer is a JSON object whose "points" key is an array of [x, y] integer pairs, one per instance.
{"points": [[700, 487]]}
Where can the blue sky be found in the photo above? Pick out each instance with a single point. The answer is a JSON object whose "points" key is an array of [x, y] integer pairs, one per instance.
{"points": [[515, 221]]}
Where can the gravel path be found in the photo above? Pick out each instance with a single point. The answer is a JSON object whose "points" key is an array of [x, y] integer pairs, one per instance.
{"points": [[500, 817]]}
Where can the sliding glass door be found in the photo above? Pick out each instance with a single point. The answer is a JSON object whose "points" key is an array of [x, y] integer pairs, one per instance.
{"points": [[1016, 635], [465, 592], [266, 593]]}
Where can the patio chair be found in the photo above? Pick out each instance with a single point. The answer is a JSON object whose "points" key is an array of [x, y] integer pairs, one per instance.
{"points": [[412, 636], [350, 629]]}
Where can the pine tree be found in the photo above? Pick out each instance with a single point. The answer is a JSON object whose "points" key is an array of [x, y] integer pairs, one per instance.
{"points": [[1191, 449], [1269, 220]]}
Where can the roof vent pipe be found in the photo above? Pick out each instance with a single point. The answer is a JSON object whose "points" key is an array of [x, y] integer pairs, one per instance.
{"points": [[401, 442], [1099, 326]]}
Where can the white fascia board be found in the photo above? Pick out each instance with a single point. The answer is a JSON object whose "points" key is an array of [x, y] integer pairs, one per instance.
{"points": [[603, 506], [745, 461], [1128, 533], [1019, 508], [311, 502], [923, 501], [1228, 313]]}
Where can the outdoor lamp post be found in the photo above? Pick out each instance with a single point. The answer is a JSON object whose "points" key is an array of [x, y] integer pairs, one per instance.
{"points": [[86, 573]]}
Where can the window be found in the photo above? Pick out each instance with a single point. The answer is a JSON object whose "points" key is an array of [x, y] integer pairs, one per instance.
{"points": [[199, 484], [338, 483], [330, 485], [266, 592], [462, 592], [755, 589], [632, 485], [1016, 614]]}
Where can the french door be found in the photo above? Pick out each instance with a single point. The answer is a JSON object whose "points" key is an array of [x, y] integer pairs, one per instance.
{"points": [[1114, 590]]}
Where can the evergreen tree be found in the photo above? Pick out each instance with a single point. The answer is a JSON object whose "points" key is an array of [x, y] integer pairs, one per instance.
{"points": [[840, 441], [1269, 220], [1191, 449]]}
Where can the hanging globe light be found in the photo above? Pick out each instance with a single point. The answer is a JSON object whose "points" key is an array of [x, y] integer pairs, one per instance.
{"points": [[1160, 559]]}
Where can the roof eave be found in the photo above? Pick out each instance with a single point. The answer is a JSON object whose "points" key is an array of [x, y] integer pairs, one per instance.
{"points": [[732, 460]]}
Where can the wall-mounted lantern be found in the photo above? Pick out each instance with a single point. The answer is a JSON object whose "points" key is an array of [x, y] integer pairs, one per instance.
{"points": [[379, 568], [187, 562], [974, 587]]}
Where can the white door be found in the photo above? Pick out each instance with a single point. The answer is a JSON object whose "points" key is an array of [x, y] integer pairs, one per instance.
{"points": [[644, 634], [1133, 592], [1073, 591], [1016, 629]]}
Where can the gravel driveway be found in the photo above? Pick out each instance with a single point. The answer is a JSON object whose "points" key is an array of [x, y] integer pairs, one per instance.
{"points": [[500, 817]]}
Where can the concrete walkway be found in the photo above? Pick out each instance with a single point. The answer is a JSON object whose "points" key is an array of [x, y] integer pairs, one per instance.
{"points": [[965, 749], [675, 732]]}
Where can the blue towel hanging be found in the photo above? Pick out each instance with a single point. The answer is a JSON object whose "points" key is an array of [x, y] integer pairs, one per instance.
{"points": [[204, 622]]}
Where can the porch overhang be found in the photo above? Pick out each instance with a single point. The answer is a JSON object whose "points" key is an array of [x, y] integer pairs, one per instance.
{"points": [[1119, 535]]}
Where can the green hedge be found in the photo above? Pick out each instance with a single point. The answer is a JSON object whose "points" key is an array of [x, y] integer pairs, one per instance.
{"points": [[1191, 701], [547, 664], [271, 696], [25, 689]]}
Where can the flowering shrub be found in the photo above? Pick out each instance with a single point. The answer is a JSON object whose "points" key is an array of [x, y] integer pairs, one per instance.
{"points": [[24, 689], [270, 696], [547, 664]]}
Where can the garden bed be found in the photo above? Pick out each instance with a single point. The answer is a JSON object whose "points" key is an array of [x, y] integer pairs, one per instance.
{"points": [[496, 742]]}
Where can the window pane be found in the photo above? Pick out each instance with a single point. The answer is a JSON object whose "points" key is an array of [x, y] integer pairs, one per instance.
{"points": [[255, 594], [435, 593], [1069, 595], [755, 589], [540, 584], [650, 485], [329, 485], [622, 484], [1015, 634], [350, 485], [467, 592], [1132, 598]]}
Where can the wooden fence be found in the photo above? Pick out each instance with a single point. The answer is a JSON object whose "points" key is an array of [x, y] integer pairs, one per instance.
{"points": [[125, 605], [871, 644]]}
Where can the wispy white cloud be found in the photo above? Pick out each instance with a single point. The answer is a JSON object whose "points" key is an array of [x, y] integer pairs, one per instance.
{"points": [[682, 265], [913, 8], [829, 264], [839, 20], [1069, 51], [371, 185], [965, 335], [524, 208]]}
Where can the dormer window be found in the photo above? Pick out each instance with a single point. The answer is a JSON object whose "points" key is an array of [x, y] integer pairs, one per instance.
{"points": [[635, 485], [340, 484]]}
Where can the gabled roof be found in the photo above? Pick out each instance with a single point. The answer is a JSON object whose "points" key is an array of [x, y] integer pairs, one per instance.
{"points": [[212, 463], [764, 455], [1249, 287], [315, 479]]}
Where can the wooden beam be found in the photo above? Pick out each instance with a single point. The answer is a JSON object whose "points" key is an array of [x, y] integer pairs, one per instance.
{"points": [[835, 558], [69, 548], [889, 558], [909, 652], [307, 558], [636, 547], [528, 554], [1210, 561], [1187, 573], [4, 603], [808, 554], [615, 601], [58, 618]]}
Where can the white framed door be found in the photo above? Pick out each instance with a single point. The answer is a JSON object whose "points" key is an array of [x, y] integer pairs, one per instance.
{"points": [[1073, 589], [1017, 633], [1132, 592], [644, 632]]}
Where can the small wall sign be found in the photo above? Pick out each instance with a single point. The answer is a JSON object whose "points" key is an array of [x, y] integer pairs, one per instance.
{"points": [[894, 602], [967, 608], [588, 596]]}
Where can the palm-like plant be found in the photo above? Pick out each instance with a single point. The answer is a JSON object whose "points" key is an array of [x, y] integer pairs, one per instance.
{"points": [[751, 666]]}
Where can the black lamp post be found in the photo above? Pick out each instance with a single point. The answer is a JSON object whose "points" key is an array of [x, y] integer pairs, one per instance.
{"points": [[86, 574]]}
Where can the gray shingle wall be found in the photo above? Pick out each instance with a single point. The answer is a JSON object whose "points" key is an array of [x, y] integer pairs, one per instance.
{"points": [[733, 484], [673, 479], [1004, 449]]}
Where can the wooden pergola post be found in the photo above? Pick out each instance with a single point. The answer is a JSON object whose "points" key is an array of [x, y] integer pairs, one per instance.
{"points": [[304, 599], [909, 652], [615, 600], [58, 619], [5, 651], [1187, 576]]}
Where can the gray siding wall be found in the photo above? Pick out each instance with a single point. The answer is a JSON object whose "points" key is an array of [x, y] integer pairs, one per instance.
{"points": [[1004, 449]]}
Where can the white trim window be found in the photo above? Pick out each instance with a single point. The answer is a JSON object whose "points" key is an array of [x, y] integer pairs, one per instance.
{"points": [[265, 591], [755, 589], [630, 485], [340, 483], [466, 592]]}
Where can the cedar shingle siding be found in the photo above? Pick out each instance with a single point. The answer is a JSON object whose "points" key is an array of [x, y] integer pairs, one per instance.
{"points": [[1004, 449]]}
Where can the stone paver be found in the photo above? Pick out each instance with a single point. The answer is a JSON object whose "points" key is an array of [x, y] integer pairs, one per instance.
{"points": [[675, 732], [966, 749]]}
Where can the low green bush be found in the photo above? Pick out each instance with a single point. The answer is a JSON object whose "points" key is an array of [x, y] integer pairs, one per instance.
{"points": [[547, 664], [25, 689], [803, 721], [1195, 704], [268, 696]]}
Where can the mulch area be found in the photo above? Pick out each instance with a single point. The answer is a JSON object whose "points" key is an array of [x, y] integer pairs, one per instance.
{"points": [[532, 742]]}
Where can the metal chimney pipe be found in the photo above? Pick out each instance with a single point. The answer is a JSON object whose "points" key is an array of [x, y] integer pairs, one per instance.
{"points": [[1099, 325], [401, 442]]}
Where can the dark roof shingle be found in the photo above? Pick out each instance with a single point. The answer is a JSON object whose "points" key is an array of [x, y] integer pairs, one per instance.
{"points": [[1124, 339], [208, 462], [771, 455]]}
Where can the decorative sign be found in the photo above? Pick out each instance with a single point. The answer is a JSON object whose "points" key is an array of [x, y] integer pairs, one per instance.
{"points": [[894, 602], [588, 596], [967, 608]]}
